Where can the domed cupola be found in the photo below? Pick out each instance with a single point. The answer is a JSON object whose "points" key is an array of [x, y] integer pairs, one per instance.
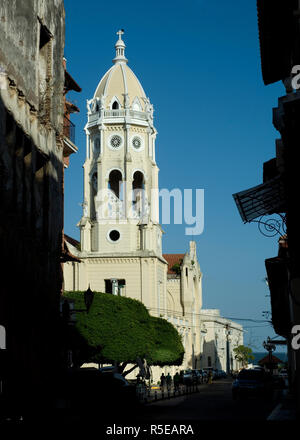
{"points": [[120, 90]]}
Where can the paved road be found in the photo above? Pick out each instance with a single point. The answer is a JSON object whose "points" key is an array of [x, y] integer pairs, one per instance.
{"points": [[213, 402]]}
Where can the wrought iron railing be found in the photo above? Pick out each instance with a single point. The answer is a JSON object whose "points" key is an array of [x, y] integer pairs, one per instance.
{"points": [[69, 129]]}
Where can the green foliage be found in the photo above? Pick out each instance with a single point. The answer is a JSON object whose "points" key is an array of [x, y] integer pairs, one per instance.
{"points": [[167, 343], [119, 329], [176, 268], [243, 354]]}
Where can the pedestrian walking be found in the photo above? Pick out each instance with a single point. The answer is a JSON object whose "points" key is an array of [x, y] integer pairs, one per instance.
{"points": [[176, 381], [210, 377], [169, 381], [162, 381]]}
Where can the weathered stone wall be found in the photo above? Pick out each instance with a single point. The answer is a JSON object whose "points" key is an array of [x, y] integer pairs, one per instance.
{"points": [[31, 191]]}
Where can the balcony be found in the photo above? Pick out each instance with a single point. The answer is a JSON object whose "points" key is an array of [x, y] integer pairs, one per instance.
{"points": [[117, 113], [69, 129], [121, 113]]}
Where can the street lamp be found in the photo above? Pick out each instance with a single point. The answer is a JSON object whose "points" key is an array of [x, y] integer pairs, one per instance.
{"points": [[88, 298], [270, 348]]}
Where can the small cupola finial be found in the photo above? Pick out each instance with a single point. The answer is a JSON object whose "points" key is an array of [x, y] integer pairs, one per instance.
{"points": [[120, 49]]}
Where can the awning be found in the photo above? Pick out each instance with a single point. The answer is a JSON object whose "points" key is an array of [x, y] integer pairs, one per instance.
{"points": [[70, 83], [265, 199], [278, 284]]}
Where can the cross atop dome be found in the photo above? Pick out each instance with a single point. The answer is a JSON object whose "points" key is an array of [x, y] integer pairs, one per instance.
{"points": [[120, 33], [120, 49]]}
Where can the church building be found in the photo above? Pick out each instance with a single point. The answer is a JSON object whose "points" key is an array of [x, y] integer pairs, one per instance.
{"points": [[120, 245]]}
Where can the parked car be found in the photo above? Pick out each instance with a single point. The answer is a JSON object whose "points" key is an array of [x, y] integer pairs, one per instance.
{"points": [[283, 372], [222, 374], [252, 383], [204, 376], [85, 389], [216, 373], [187, 377], [197, 377]]}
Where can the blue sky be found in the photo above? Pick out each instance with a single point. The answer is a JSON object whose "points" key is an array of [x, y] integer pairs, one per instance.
{"points": [[199, 63]]}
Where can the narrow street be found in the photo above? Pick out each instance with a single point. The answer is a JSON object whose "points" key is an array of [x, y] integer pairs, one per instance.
{"points": [[213, 402]]}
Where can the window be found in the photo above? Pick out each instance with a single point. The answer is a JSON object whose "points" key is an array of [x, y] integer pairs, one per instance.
{"points": [[115, 286], [108, 286], [138, 180], [115, 182], [115, 141], [114, 235], [115, 105], [136, 143], [138, 197], [209, 361]]}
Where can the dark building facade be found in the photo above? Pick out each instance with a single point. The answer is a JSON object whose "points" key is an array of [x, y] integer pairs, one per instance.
{"points": [[32, 104], [279, 37]]}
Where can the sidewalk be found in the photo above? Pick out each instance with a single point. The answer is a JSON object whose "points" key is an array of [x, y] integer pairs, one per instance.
{"points": [[156, 393], [285, 410]]}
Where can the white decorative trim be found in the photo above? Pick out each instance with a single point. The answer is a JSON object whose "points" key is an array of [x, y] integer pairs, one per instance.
{"points": [[141, 171], [136, 103], [108, 79], [113, 99], [143, 94], [113, 169], [124, 78]]}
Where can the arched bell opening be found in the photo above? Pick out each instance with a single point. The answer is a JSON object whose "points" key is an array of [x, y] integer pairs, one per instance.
{"points": [[115, 183], [138, 189]]}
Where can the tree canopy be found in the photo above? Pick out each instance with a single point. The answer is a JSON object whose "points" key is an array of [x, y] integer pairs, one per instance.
{"points": [[243, 354], [119, 329]]}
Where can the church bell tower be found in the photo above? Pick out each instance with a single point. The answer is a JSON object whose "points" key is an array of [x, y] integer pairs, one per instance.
{"points": [[120, 207]]}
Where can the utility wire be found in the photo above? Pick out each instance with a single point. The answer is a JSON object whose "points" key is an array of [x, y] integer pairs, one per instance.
{"points": [[208, 315]]}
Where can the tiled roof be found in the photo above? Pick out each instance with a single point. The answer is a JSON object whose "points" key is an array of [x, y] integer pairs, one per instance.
{"points": [[274, 360], [71, 240], [66, 255], [173, 259]]}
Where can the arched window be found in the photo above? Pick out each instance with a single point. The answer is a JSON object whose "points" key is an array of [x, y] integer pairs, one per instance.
{"points": [[138, 188], [138, 180], [115, 105], [115, 182]]}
